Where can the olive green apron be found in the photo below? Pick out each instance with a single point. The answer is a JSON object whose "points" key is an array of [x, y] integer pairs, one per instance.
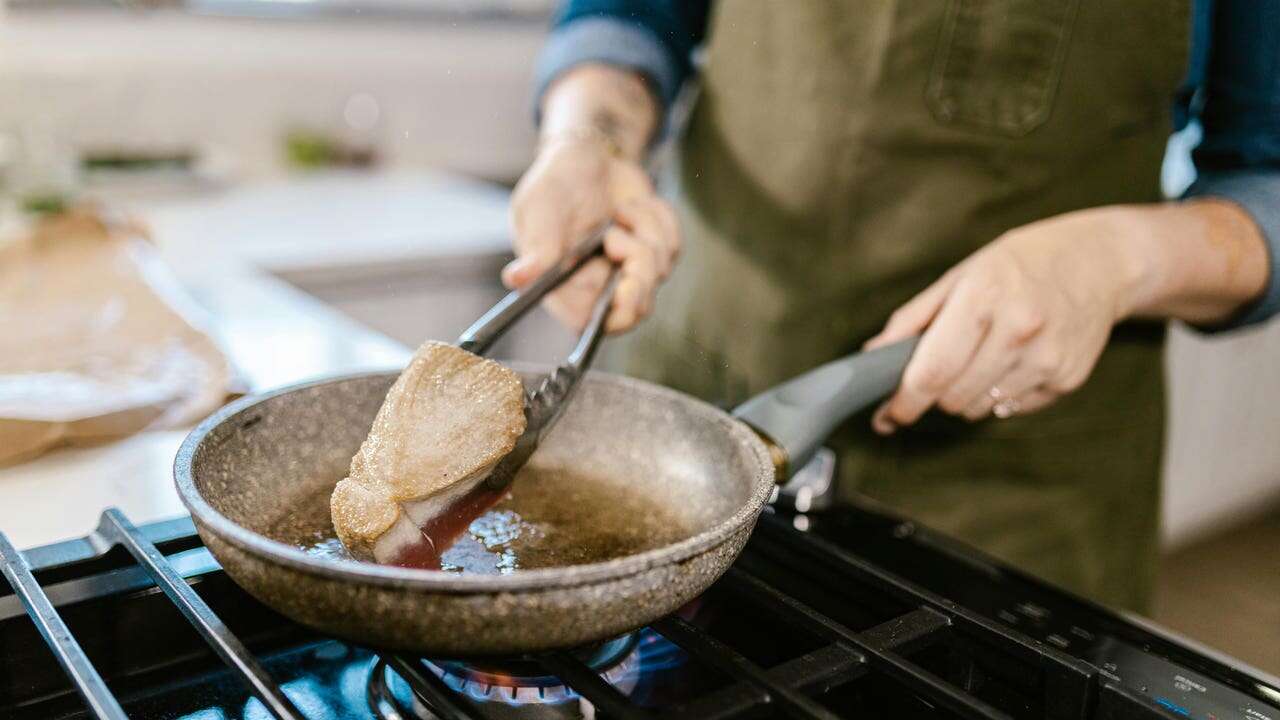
{"points": [[843, 155]]}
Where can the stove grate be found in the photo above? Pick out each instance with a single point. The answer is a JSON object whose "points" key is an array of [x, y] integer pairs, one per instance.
{"points": [[606, 698], [444, 703], [796, 687], [116, 527], [56, 633]]}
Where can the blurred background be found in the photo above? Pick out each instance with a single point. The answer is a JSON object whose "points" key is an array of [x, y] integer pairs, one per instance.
{"points": [[356, 155]]}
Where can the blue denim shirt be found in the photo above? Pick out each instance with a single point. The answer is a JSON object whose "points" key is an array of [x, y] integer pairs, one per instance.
{"points": [[1232, 90]]}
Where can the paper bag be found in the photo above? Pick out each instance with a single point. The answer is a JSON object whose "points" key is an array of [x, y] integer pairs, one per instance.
{"points": [[97, 340]]}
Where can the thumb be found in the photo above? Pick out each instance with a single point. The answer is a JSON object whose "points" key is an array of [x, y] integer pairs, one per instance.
{"points": [[913, 317], [521, 271], [540, 230]]}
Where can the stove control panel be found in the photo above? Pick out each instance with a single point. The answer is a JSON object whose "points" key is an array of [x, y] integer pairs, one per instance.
{"points": [[1144, 675], [1178, 691]]}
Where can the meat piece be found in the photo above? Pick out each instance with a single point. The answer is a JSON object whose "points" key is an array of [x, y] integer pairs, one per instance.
{"points": [[446, 422]]}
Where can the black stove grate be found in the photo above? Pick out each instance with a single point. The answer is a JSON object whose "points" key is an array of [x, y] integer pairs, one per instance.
{"points": [[848, 656], [56, 633], [116, 527], [930, 648]]}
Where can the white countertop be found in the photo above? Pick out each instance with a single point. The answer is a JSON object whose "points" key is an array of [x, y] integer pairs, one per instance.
{"points": [[274, 333]]}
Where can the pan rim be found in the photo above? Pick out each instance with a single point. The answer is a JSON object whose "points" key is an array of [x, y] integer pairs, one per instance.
{"points": [[440, 581]]}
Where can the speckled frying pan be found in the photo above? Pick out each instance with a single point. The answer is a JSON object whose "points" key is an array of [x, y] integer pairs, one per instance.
{"points": [[249, 469]]}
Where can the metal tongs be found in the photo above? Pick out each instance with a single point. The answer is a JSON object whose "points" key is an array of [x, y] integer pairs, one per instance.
{"points": [[542, 406]]}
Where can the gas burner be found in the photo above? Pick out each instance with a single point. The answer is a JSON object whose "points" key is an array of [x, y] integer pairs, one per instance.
{"points": [[509, 688], [520, 681]]}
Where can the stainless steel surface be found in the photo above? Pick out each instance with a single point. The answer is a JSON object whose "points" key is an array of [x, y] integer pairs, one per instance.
{"points": [[812, 487]]}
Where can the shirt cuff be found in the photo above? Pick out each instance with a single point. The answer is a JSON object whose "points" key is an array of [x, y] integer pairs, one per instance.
{"points": [[611, 41], [1258, 192]]}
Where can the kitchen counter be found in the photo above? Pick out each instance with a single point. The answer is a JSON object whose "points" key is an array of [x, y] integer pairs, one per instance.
{"points": [[221, 248]]}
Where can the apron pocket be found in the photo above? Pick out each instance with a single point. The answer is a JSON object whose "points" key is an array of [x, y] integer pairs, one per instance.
{"points": [[998, 63]]}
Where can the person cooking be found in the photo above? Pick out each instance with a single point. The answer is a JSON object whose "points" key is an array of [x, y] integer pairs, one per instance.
{"points": [[983, 174]]}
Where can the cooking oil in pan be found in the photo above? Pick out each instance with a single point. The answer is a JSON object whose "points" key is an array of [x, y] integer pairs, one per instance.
{"points": [[548, 518]]}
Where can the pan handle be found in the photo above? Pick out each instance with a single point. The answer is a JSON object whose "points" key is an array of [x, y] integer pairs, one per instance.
{"points": [[795, 417]]}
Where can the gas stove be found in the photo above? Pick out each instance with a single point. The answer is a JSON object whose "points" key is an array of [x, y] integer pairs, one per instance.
{"points": [[843, 613]]}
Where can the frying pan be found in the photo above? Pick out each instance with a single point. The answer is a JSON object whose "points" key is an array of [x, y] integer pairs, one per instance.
{"points": [[247, 468]]}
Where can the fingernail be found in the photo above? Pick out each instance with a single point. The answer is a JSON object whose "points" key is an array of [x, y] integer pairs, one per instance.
{"points": [[513, 272], [881, 423]]}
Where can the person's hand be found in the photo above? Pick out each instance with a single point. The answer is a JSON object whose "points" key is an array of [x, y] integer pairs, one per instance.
{"points": [[573, 187], [1017, 324]]}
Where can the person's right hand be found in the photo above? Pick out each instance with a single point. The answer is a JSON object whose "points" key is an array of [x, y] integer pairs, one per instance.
{"points": [[573, 187]]}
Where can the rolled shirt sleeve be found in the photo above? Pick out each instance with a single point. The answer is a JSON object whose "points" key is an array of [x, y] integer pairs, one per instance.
{"points": [[613, 41], [1239, 158], [1258, 193], [655, 38]]}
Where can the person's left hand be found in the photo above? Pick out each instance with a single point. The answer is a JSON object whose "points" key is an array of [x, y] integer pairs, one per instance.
{"points": [[1017, 324]]}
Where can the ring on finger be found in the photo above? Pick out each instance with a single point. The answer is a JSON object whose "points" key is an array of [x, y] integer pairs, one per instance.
{"points": [[1006, 407], [980, 407]]}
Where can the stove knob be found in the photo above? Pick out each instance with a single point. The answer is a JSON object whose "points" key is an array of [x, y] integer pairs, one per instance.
{"points": [[1036, 613]]}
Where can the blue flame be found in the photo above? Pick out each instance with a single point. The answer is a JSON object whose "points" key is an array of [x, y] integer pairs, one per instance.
{"points": [[653, 654], [658, 653]]}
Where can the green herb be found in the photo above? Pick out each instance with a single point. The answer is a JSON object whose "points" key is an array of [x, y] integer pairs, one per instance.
{"points": [[45, 203], [123, 161], [310, 150]]}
